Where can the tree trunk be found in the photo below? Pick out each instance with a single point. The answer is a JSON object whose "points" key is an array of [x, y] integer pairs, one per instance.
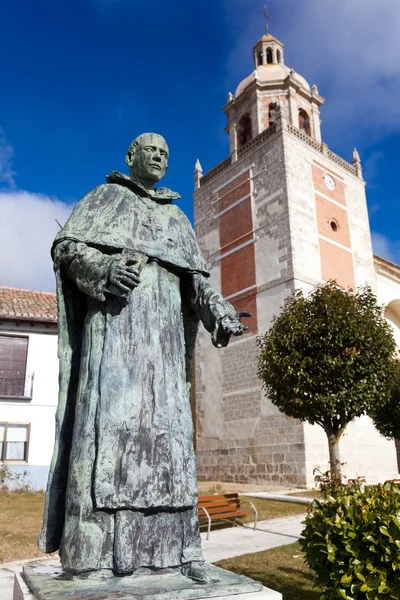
{"points": [[334, 454]]}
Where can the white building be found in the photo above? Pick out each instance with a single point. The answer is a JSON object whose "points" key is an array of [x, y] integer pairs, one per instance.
{"points": [[28, 381], [282, 212]]}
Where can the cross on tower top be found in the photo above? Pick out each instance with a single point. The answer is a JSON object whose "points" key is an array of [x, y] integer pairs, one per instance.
{"points": [[267, 16]]}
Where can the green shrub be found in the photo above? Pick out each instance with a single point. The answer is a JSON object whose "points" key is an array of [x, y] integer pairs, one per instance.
{"points": [[333, 483], [352, 543]]}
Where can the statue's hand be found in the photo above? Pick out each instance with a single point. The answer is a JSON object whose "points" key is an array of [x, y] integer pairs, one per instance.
{"points": [[231, 324], [124, 278]]}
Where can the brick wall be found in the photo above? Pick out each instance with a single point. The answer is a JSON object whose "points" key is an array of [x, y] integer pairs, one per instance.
{"points": [[236, 233], [333, 227]]}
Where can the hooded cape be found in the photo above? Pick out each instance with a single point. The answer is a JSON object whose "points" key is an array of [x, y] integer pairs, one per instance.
{"points": [[123, 215]]}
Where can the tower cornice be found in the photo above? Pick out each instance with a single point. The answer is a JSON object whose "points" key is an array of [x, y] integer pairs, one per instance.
{"points": [[280, 85]]}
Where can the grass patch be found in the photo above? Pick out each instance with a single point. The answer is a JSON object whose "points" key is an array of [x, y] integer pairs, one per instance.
{"points": [[21, 515], [282, 569], [272, 509]]}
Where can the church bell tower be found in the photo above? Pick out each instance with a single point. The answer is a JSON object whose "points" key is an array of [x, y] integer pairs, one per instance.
{"points": [[281, 212], [270, 88]]}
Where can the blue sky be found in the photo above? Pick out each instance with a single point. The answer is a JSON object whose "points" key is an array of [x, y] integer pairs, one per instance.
{"points": [[81, 78]]}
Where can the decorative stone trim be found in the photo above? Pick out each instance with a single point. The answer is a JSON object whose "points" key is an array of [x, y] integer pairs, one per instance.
{"points": [[342, 163], [217, 169], [221, 256], [326, 239], [242, 292], [323, 148], [304, 137], [228, 208], [226, 183], [267, 133], [387, 268], [256, 141]]}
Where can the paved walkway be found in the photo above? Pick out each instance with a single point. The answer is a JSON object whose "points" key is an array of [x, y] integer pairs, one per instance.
{"points": [[223, 543], [236, 541]]}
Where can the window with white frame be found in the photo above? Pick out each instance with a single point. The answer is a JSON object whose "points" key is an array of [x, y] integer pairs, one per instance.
{"points": [[14, 442]]}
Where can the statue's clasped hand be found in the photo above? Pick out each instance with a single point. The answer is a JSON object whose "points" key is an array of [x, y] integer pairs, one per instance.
{"points": [[123, 278], [231, 324]]}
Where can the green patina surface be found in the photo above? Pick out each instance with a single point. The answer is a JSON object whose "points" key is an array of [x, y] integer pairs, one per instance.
{"points": [[132, 286], [48, 584]]}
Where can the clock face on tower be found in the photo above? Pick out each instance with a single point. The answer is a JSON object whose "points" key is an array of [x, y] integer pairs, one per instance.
{"points": [[329, 182]]}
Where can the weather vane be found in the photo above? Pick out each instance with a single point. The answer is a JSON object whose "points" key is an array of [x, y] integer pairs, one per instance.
{"points": [[267, 16]]}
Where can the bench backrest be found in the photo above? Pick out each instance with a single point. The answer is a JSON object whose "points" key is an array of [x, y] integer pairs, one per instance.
{"points": [[219, 503]]}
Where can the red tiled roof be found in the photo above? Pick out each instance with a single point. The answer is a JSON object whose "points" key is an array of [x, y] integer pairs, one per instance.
{"points": [[27, 305]]}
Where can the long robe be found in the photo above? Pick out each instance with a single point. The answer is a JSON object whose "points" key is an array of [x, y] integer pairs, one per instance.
{"points": [[122, 489]]}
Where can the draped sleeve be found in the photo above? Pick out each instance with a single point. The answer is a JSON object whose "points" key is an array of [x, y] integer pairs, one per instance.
{"points": [[209, 306], [87, 267]]}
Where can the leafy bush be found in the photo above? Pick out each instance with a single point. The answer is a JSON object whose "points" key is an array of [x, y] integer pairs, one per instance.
{"points": [[16, 482], [333, 483], [352, 543]]}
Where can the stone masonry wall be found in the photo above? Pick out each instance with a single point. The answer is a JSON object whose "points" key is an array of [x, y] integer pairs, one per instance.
{"points": [[241, 436]]}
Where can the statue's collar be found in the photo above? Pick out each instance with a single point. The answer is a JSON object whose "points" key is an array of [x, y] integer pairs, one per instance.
{"points": [[159, 194]]}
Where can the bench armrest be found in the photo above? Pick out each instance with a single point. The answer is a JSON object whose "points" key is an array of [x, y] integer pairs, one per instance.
{"points": [[254, 510]]}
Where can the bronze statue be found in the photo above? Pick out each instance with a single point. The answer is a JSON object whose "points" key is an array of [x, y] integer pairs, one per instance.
{"points": [[132, 286]]}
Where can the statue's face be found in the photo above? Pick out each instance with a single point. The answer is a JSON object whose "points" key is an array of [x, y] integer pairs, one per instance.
{"points": [[149, 161]]}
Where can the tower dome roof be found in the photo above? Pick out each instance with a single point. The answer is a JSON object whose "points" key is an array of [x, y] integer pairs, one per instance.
{"points": [[273, 73], [302, 81], [269, 38]]}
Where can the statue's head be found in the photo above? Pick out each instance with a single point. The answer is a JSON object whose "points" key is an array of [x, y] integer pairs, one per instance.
{"points": [[147, 159]]}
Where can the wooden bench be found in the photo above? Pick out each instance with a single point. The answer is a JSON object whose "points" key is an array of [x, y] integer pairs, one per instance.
{"points": [[224, 507]]}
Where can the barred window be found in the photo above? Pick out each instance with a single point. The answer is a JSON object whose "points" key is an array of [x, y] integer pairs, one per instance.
{"points": [[13, 355]]}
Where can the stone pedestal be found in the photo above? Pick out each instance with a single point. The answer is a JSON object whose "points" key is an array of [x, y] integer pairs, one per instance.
{"points": [[49, 583]]}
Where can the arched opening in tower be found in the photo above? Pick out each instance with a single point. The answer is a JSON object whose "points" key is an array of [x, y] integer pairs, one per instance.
{"points": [[279, 56], [272, 109], [259, 59], [270, 58], [304, 121], [244, 130]]}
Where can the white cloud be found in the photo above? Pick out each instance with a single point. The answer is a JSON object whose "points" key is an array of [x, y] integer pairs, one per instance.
{"points": [[350, 49], [27, 230], [386, 248], [6, 154]]}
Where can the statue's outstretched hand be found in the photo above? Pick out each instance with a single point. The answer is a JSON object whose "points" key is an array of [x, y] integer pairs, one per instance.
{"points": [[231, 323], [123, 278]]}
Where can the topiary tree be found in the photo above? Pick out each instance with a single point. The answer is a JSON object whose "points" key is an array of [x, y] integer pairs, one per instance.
{"points": [[386, 416], [328, 358]]}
